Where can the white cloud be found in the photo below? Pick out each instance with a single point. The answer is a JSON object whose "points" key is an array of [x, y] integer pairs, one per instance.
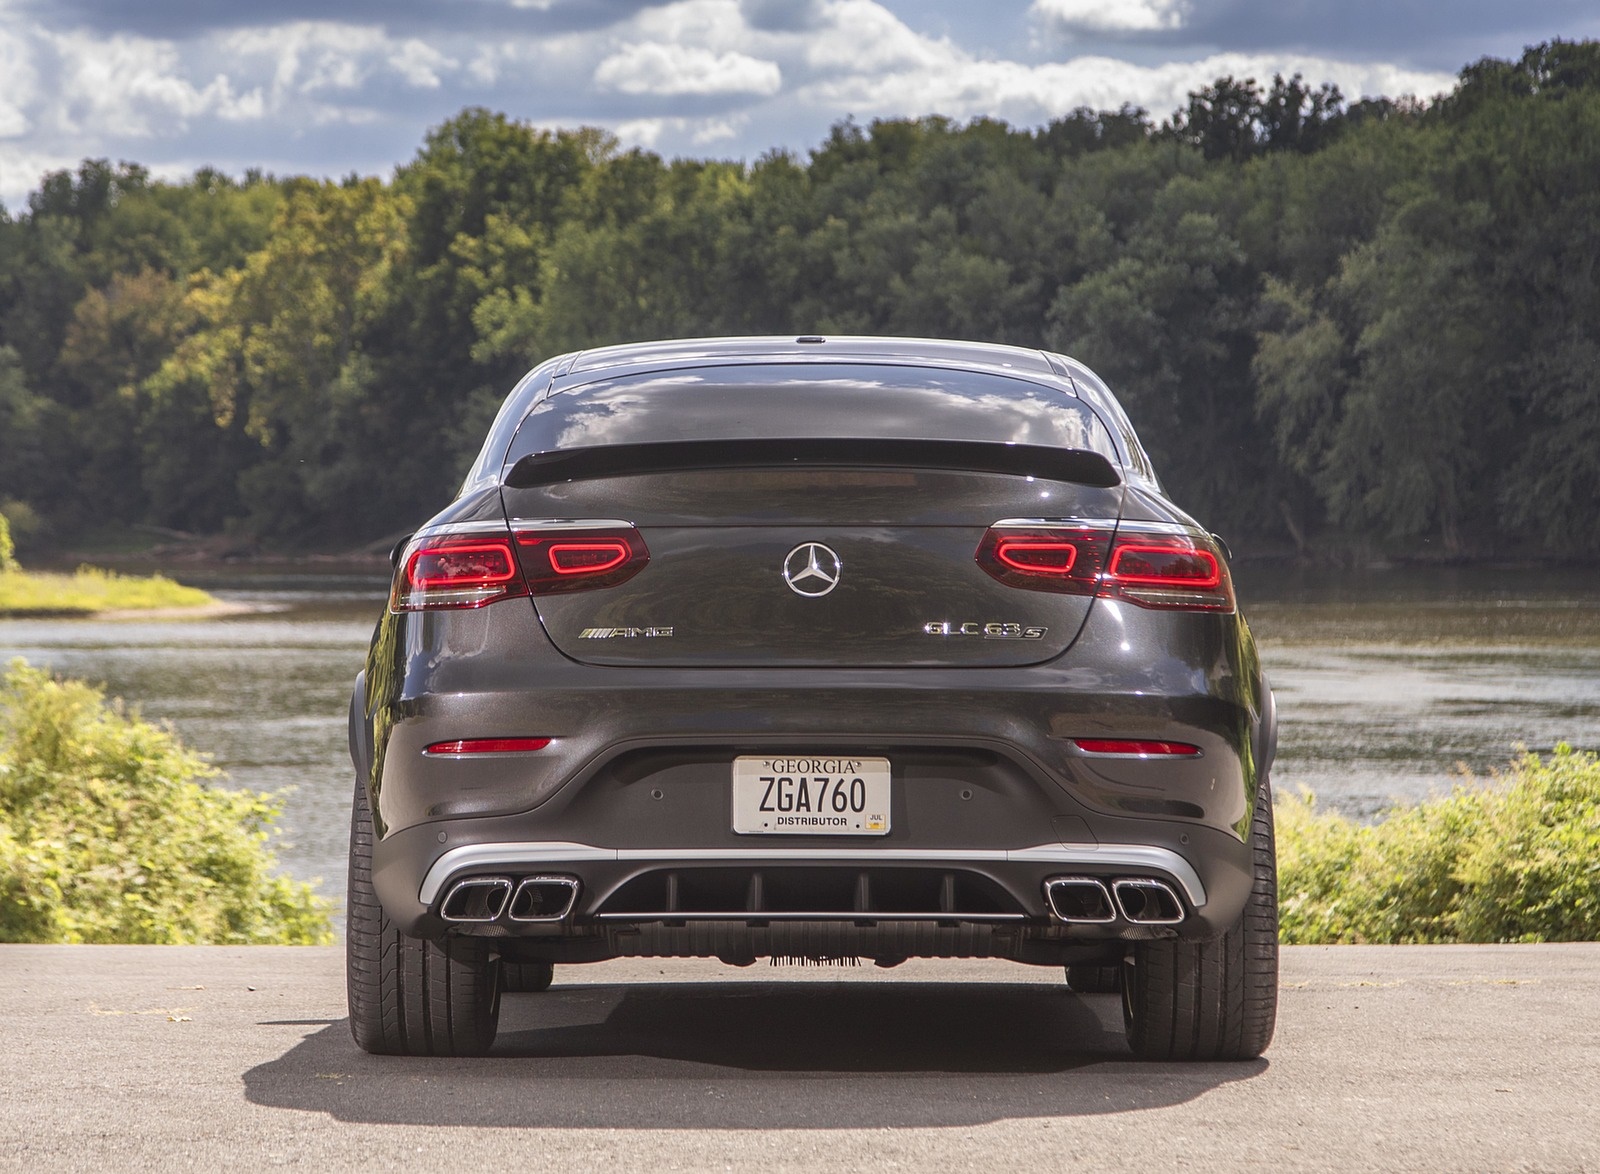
{"points": [[647, 132], [712, 24], [420, 64], [864, 37], [309, 56], [18, 90], [133, 86], [717, 130], [1114, 15], [686, 69], [484, 68], [21, 171], [965, 88]]}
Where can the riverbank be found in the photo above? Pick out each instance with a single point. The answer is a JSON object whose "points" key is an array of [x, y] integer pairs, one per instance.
{"points": [[91, 591]]}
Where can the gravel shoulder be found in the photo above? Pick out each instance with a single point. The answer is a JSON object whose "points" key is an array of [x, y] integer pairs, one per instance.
{"points": [[1386, 1058]]}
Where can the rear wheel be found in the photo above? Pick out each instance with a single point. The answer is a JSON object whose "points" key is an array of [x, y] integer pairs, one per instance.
{"points": [[1215, 1000], [408, 996]]}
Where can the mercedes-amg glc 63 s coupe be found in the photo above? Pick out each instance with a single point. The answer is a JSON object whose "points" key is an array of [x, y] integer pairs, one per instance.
{"points": [[843, 648]]}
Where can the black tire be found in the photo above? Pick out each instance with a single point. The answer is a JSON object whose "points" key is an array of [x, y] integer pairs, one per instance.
{"points": [[408, 996], [1095, 980], [525, 978], [1215, 1000]]}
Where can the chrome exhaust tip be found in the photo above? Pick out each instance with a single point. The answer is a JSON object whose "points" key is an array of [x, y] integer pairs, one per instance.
{"points": [[544, 898], [1147, 902], [1079, 900], [477, 899]]}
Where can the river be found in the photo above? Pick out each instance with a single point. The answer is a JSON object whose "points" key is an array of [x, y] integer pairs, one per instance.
{"points": [[1387, 681]]}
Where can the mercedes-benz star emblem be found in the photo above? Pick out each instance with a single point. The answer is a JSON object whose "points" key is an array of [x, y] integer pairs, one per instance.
{"points": [[812, 570]]}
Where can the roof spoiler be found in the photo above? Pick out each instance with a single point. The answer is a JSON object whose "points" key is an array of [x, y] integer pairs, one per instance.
{"points": [[968, 456], [1079, 466]]}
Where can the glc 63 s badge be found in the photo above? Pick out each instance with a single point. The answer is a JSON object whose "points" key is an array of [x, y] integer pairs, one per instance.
{"points": [[992, 630]]}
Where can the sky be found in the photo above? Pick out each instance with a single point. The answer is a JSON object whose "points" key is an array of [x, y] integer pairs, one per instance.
{"points": [[329, 89]]}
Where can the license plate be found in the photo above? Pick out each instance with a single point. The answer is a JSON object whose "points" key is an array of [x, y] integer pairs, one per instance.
{"points": [[818, 796]]}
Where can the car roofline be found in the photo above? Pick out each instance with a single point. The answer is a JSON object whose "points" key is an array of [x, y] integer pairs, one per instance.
{"points": [[769, 348]]}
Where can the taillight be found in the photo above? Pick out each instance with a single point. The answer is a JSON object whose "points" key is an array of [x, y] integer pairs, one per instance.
{"points": [[1053, 558], [1065, 559], [1170, 570], [570, 559], [587, 558], [456, 570], [1159, 569], [479, 565]]}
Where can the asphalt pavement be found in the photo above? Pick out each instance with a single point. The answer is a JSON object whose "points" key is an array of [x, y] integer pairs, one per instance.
{"points": [[1406, 1058]]}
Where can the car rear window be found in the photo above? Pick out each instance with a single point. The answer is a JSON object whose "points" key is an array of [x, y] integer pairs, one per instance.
{"points": [[810, 401]]}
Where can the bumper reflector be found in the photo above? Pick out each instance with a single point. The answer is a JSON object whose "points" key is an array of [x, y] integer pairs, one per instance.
{"points": [[1133, 748], [487, 746]]}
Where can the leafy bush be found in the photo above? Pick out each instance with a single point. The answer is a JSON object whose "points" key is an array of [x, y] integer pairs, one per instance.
{"points": [[1516, 859], [109, 832]]}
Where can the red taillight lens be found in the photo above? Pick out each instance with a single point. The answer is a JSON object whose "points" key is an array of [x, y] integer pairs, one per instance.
{"points": [[487, 746], [1160, 569], [488, 563], [456, 570], [587, 558], [1144, 564], [1037, 556], [1064, 559], [1171, 571], [573, 559], [1133, 748]]}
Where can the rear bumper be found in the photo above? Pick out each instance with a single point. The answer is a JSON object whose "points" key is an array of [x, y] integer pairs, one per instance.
{"points": [[520, 858], [863, 898]]}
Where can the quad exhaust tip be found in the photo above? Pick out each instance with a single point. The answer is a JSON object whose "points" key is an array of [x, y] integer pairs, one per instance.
{"points": [[476, 899], [1086, 900], [544, 898], [1147, 902], [482, 899], [1080, 900]]}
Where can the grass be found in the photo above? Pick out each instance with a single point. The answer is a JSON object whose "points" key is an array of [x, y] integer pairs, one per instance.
{"points": [[89, 590], [1515, 858]]}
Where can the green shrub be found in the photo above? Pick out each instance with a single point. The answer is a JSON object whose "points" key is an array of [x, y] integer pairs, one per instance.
{"points": [[1513, 859], [109, 832], [8, 550]]}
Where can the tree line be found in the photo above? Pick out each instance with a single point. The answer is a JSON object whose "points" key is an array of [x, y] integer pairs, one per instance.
{"points": [[1369, 325]]}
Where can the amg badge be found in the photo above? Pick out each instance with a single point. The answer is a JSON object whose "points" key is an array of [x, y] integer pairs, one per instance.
{"points": [[993, 630], [621, 633]]}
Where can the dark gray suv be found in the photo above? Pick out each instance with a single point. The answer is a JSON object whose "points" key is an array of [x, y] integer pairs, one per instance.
{"points": [[821, 648]]}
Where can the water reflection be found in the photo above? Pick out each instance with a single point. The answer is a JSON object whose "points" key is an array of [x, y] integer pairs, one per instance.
{"points": [[1388, 681], [1384, 681]]}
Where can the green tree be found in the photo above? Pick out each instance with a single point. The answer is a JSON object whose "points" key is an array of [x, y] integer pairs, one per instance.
{"points": [[1168, 325], [278, 352]]}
